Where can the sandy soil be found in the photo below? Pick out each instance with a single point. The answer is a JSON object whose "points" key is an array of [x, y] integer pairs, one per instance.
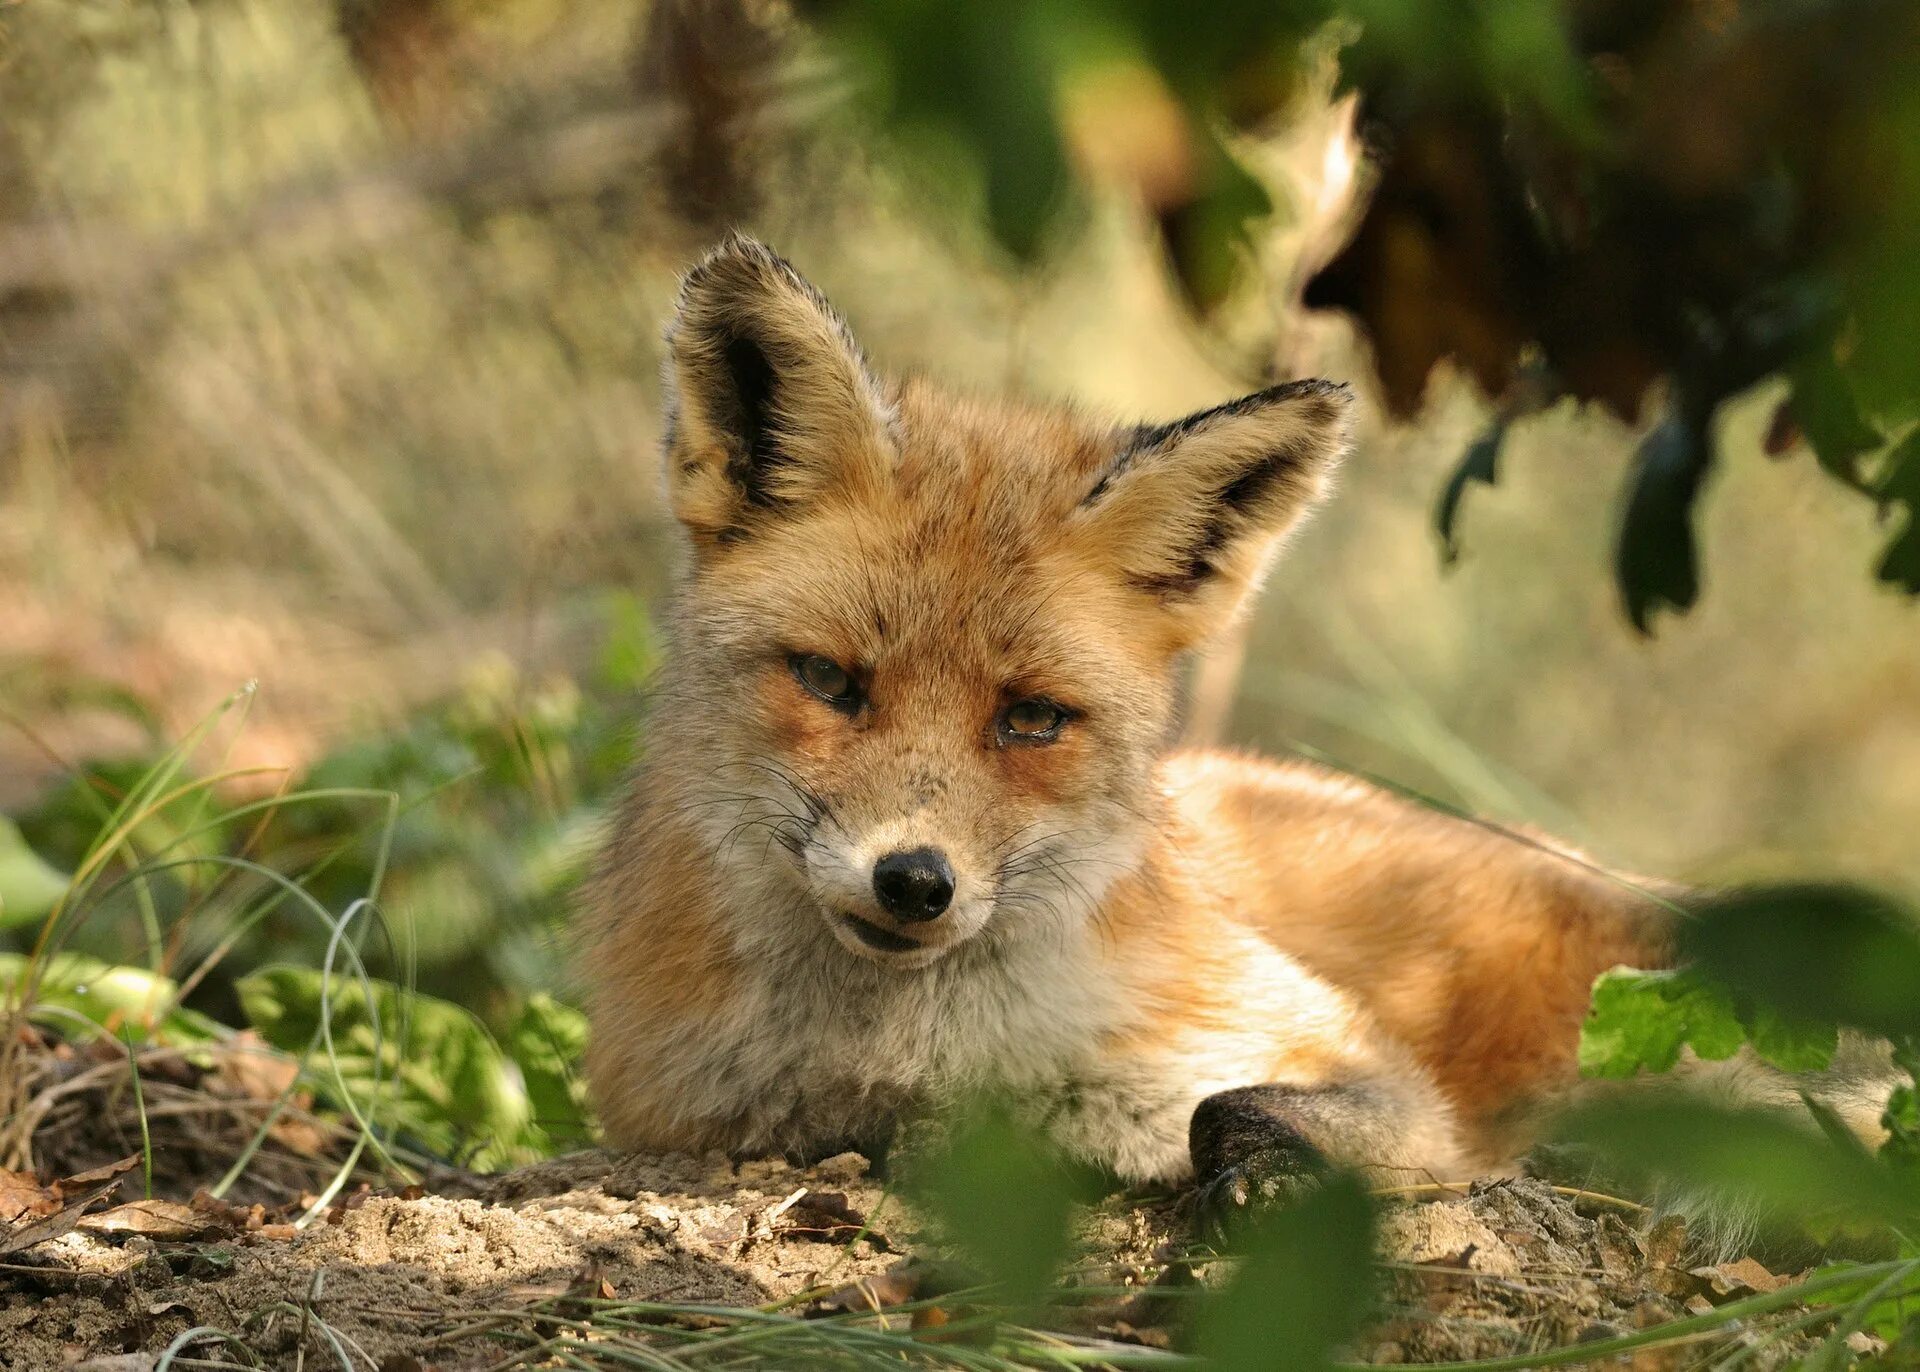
{"points": [[410, 1282]]}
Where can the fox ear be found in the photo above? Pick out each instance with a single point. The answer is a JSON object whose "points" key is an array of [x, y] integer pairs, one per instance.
{"points": [[1192, 512], [771, 401]]}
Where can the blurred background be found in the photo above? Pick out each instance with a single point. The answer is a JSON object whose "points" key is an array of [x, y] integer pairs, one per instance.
{"points": [[330, 353]]}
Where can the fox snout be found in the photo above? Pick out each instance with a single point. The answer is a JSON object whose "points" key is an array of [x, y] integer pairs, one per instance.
{"points": [[914, 886], [897, 892]]}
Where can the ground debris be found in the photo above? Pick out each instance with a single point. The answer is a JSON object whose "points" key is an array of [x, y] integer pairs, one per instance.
{"points": [[446, 1279], [1512, 1267], [414, 1279]]}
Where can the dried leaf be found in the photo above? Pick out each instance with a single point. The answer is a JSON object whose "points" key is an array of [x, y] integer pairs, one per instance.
{"points": [[81, 1181], [56, 1225], [168, 1221], [23, 1197], [1734, 1280]]}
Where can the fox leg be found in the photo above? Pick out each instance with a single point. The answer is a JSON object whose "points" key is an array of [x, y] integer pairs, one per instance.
{"points": [[1261, 1146]]}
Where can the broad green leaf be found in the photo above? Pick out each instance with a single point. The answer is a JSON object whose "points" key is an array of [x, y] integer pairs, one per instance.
{"points": [[1305, 1285], [548, 1040], [424, 1066], [1790, 1045], [29, 886], [1815, 953], [114, 998], [1001, 1196], [1640, 1021]]}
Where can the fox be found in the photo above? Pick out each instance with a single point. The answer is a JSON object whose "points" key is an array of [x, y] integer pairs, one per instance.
{"points": [[912, 823]]}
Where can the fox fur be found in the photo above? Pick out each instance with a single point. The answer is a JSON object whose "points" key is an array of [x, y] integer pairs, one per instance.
{"points": [[1135, 931]]}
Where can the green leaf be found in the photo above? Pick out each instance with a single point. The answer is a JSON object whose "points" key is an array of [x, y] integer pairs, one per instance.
{"points": [[1304, 1287], [548, 1040], [1815, 953], [1639, 1021], [29, 886], [109, 996], [1889, 1313], [1001, 1196], [1823, 405], [1790, 1045], [411, 1062], [1899, 484]]}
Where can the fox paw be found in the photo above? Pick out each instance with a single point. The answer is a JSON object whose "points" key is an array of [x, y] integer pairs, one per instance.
{"points": [[1237, 1195]]}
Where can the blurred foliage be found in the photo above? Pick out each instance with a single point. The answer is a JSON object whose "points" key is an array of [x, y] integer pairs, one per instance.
{"points": [[1305, 1285], [70, 988], [1596, 195], [29, 886], [1790, 955], [423, 1069], [1829, 952], [999, 1194], [496, 793]]}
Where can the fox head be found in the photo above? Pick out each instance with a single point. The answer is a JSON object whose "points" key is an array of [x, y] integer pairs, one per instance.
{"points": [[925, 652]]}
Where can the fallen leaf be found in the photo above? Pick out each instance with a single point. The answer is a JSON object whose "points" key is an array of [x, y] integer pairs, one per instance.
{"points": [[54, 1226], [23, 1197], [80, 1181], [168, 1221], [251, 1070], [1731, 1280]]}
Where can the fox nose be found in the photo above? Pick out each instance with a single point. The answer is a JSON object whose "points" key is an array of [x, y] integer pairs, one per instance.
{"points": [[915, 885]]}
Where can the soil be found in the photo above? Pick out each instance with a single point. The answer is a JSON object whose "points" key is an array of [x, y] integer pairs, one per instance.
{"points": [[405, 1282]]}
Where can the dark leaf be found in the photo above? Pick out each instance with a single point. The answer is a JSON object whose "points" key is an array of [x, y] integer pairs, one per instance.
{"points": [[1656, 563], [1479, 463], [1816, 953], [1824, 407]]}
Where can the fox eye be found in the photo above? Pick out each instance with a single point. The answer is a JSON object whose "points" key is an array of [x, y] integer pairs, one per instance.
{"points": [[1032, 721], [826, 679]]}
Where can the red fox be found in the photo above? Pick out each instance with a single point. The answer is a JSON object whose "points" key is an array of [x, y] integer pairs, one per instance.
{"points": [[911, 826]]}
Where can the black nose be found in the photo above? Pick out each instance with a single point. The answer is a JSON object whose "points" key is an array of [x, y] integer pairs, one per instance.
{"points": [[915, 885]]}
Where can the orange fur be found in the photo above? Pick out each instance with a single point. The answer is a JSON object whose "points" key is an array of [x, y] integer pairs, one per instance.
{"points": [[1130, 929]]}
